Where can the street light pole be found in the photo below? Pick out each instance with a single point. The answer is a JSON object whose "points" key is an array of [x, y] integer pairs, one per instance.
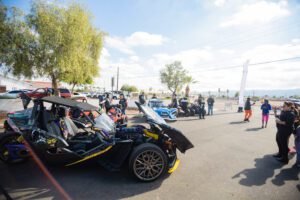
{"points": [[118, 79]]}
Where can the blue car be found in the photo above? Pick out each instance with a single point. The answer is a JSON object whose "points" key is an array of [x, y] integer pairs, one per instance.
{"points": [[169, 114]]}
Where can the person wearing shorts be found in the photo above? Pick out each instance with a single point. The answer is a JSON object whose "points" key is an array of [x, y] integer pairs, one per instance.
{"points": [[265, 107]]}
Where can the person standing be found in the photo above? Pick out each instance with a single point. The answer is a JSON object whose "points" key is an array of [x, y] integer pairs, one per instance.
{"points": [[107, 103], [201, 108], [285, 127], [297, 143], [123, 103], [248, 110], [101, 101], [210, 105], [142, 99], [174, 103], [265, 107]]}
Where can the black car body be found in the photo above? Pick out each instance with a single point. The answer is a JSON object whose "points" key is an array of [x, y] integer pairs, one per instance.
{"points": [[47, 131]]}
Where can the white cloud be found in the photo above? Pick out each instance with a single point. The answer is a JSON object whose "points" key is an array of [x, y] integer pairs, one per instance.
{"points": [[190, 58], [260, 12], [136, 39], [201, 63], [119, 44], [145, 39], [227, 51], [219, 3], [296, 40]]}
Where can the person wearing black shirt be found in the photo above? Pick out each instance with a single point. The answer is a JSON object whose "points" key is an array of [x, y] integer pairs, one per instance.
{"points": [[201, 104], [107, 102], [101, 99], [142, 99], [123, 103], [248, 109], [174, 103], [285, 127], [210, 105]]}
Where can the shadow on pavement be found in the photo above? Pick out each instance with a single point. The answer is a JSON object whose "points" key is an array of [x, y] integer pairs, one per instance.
{"points": [[253, 129], [290, 174], [224, 113], [188, 119], [264, 169], [88, 181], [238, 122]]}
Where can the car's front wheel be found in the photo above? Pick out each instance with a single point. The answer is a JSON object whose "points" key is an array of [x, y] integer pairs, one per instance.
{"points": [[147, 162]]}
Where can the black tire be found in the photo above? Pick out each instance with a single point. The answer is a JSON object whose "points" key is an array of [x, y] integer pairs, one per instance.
{"points": [[7, 138], [146, 171]]}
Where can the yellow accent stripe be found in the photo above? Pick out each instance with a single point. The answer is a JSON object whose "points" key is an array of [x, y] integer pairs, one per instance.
{"points": [[90, 156], [171, 170], [149, 134]]}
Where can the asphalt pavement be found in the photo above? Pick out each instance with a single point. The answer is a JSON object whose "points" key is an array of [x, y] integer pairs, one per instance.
{"points": [[231, 160]]}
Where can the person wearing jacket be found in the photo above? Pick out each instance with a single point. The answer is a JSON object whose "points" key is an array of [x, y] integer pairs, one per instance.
{"points": [[248, 110], [142, 99], [265, 107], [285, 127], [123, 103]]}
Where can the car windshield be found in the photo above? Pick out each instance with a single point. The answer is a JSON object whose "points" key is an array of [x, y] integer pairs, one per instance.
{"points": [[152, 115], [156, 104], [104, 122]]}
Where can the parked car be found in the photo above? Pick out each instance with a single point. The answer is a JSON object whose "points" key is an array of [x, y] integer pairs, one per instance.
{"points": [[40, 93], [11, 94], [64, 93], [169, 114], [43, 92]]}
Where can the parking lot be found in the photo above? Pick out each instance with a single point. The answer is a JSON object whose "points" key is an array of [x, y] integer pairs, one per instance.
{"points": [[231, 160]]}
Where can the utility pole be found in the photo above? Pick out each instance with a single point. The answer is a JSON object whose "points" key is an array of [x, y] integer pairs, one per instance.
{"points": [[118, 79]]}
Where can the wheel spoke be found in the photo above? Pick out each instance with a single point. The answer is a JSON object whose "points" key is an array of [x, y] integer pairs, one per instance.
{"points": [[148, 165]]}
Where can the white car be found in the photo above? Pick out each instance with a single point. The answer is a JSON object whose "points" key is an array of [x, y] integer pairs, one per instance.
{"points": [[77, 94], [11, 94]]}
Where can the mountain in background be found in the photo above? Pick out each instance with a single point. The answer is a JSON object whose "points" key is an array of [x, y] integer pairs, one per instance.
{"points": [[262, 93]]}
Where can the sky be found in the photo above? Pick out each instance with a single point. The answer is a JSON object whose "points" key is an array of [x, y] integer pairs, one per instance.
{"points": [[212, 39]]}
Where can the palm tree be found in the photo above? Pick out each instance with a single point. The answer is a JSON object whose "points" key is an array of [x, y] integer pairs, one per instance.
{"points": [[188, 80]]}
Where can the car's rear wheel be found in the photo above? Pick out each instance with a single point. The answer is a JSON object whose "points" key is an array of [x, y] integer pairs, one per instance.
{"points": [[147, 162]]}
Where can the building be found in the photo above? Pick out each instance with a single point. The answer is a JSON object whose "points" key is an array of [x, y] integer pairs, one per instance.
{"points": [[16, 84]]}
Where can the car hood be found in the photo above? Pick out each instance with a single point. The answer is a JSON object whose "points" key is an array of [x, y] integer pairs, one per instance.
{"points": [[182, 142]]}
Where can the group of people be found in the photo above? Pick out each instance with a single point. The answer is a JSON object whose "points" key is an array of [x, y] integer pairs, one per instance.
{"points": [[184, 102], [105, 102], [287, 123]]}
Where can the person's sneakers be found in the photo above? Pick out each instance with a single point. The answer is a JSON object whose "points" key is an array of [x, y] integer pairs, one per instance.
{"points": [[266, 126], [262, 126], [284, 161], [277, 156]]}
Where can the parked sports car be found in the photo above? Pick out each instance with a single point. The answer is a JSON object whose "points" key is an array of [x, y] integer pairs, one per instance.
{"points": [[169, 114], [48, 132]]}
